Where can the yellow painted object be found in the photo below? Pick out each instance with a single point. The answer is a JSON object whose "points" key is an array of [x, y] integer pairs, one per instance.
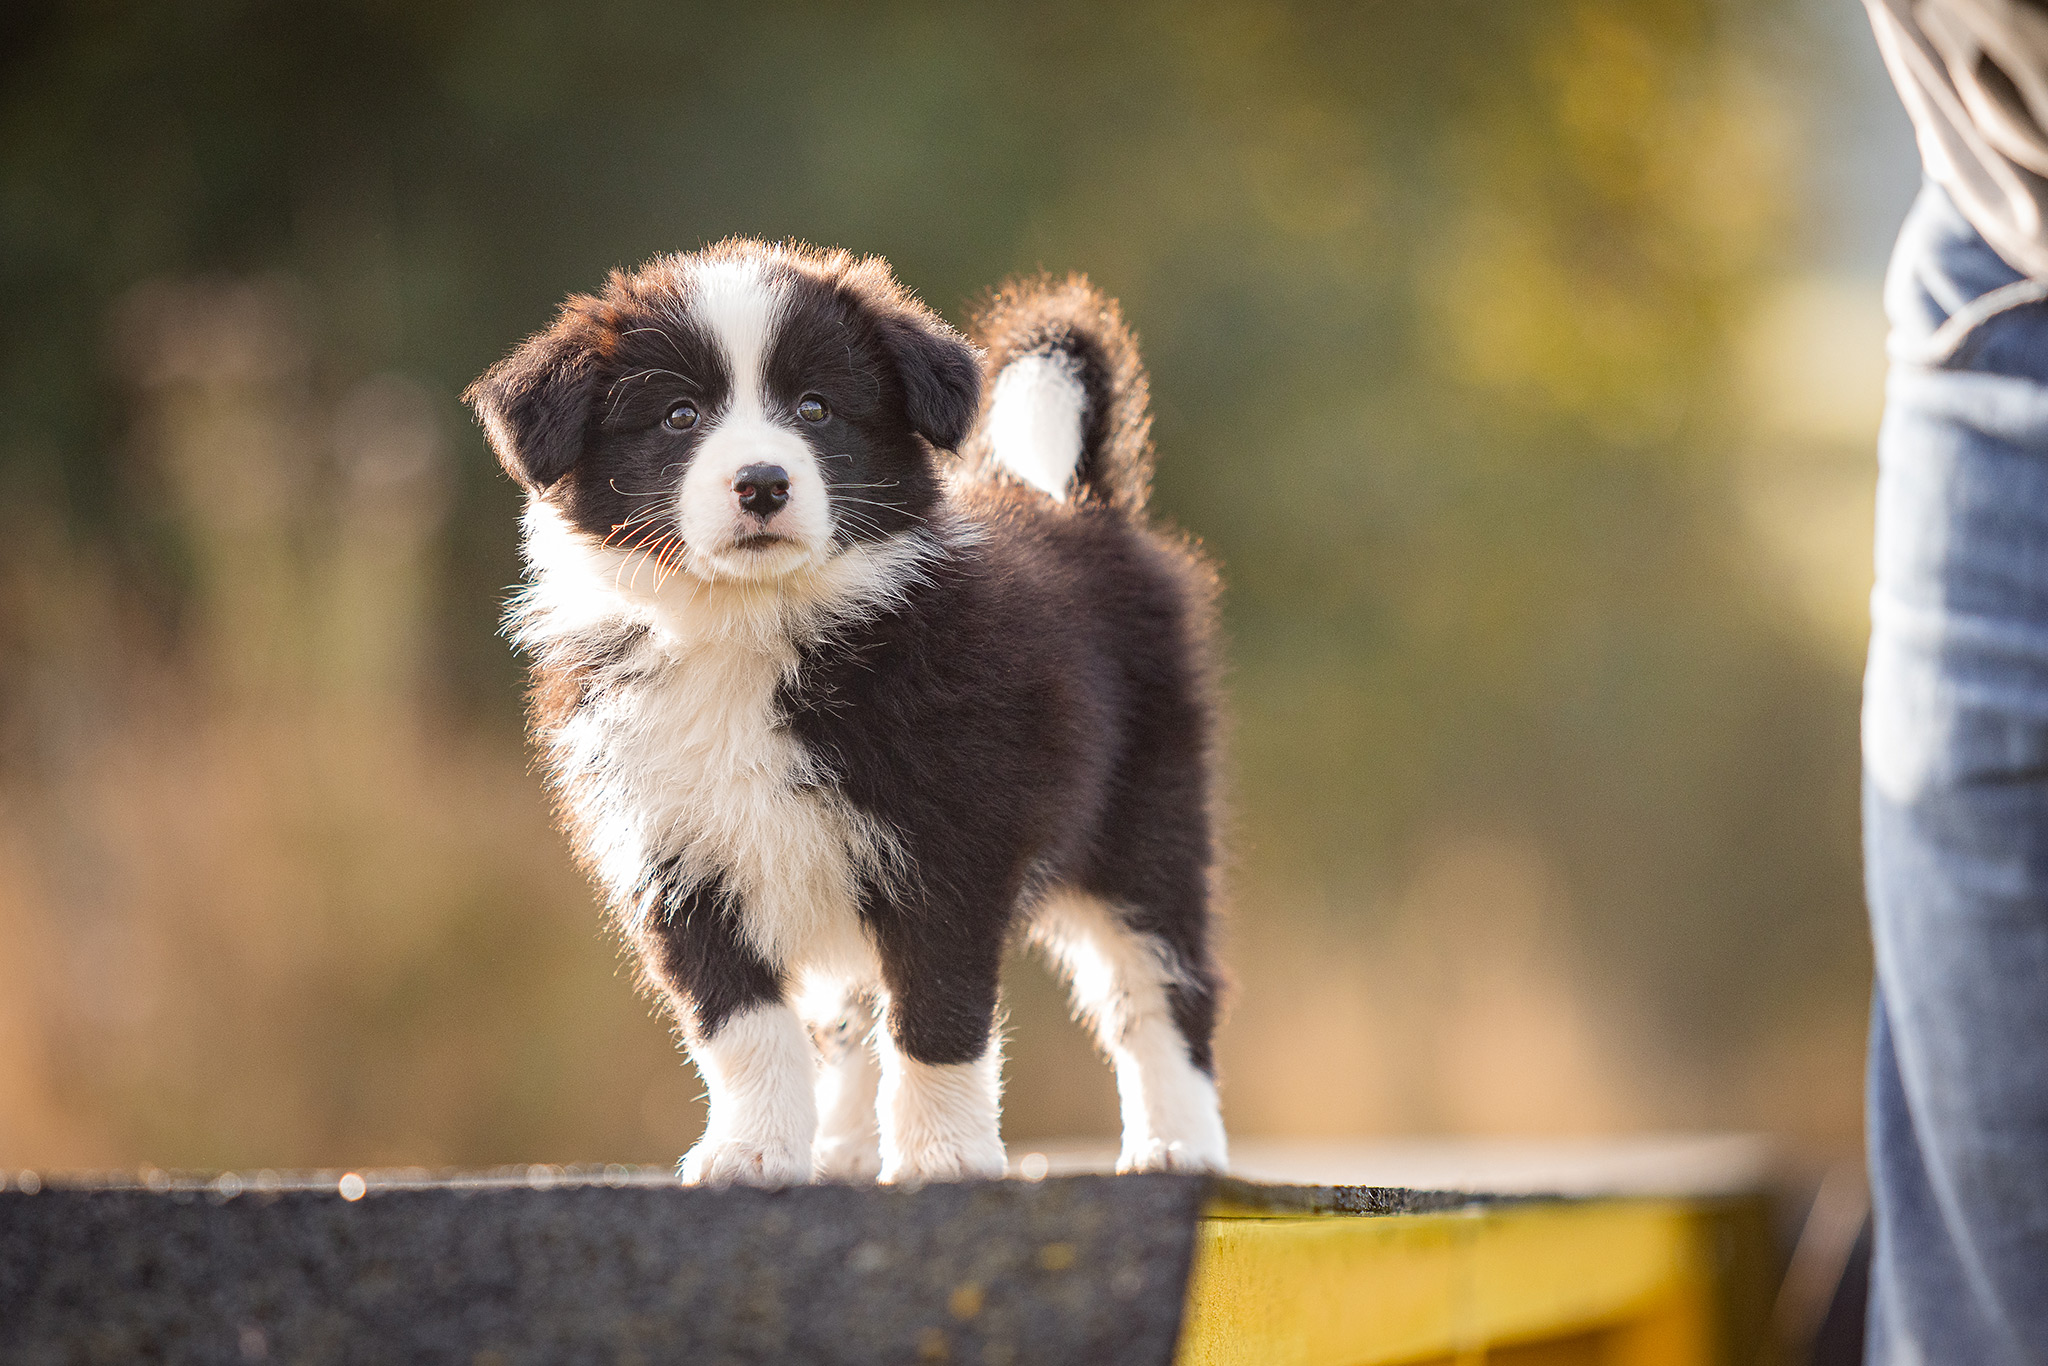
{"points": [[1613, 1282]]}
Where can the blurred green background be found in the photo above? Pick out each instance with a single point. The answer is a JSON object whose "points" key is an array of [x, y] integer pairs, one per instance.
{"points": [[1519, 362]]}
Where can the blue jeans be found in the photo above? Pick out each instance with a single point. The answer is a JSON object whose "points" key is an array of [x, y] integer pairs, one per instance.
{"points": [[1955, 809]]}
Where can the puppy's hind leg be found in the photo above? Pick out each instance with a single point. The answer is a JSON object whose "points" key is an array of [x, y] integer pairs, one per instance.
{"points": [[1150, 1012], [849, 1144]]}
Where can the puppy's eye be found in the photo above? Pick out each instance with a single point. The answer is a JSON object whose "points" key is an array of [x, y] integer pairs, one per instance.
{"points": [[811, 408], [682, 417]]}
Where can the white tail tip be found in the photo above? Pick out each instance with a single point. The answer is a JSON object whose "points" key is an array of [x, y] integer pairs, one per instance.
{"points": [[1034, 420]]}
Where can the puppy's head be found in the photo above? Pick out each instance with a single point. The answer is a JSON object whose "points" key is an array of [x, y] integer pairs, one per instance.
{"points": [[737, 413]]}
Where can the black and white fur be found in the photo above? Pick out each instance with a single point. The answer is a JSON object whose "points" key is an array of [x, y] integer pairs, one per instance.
{"points": [[827, 755]]}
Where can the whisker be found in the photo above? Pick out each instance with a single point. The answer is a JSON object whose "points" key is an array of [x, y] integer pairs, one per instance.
{"points": [[618, 396], [641, 518], [672, 565], [653, 555], [850, 504], [639, 513], [646, 530], [639, 563], [647, 493], [863, 524], [641, 541], [680, 319], [890, 507], [648, 372]]}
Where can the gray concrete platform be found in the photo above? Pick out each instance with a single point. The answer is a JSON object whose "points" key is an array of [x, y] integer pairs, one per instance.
{"points": [[611, 1266], [623, 1265]]}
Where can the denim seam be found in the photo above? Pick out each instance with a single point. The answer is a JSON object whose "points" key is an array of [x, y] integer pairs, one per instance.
{"points": [[1945, 345]]}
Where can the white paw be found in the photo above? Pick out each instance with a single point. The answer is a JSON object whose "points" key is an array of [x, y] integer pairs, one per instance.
{"points": [[846, 1159], [743, 1162], [945, 1162], [1158, 1155]]}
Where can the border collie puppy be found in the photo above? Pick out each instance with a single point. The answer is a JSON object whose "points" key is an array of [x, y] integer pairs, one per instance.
{"points": [[831, 720]]}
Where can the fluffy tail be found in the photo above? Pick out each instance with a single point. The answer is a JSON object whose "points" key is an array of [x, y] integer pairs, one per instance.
{"points": [[1065, 399]]}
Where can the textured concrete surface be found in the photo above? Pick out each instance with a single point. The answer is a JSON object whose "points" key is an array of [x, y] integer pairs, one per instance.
{"points": [[621, 1268], [621, 1265]]}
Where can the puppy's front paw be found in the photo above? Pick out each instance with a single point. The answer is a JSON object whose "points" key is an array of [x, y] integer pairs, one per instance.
{"points": [[945, 1162], [745, 1162], [857, 1158], [1158, 1155]]}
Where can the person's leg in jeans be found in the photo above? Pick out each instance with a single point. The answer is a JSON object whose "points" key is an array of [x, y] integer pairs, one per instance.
{"points": [[1955, 737]]}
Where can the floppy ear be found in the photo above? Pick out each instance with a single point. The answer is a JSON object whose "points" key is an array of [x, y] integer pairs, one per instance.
{"points": [[535, 403], [940, 372]]}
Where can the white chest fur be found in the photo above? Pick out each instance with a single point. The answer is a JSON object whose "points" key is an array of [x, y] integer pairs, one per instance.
{"points": [[685, 762], [682, 758]]}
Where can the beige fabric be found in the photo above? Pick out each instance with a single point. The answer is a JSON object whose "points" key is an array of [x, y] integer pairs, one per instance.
{"points": [[1974, 76]]}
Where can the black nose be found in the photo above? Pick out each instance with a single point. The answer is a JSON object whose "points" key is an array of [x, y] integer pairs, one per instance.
{"points": [[763, 489]]}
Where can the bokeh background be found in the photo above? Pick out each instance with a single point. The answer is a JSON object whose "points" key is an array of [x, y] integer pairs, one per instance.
{"points": [[1519, 361]]}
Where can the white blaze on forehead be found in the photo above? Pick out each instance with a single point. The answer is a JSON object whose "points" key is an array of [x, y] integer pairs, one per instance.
{"points": [[738, 306]]}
